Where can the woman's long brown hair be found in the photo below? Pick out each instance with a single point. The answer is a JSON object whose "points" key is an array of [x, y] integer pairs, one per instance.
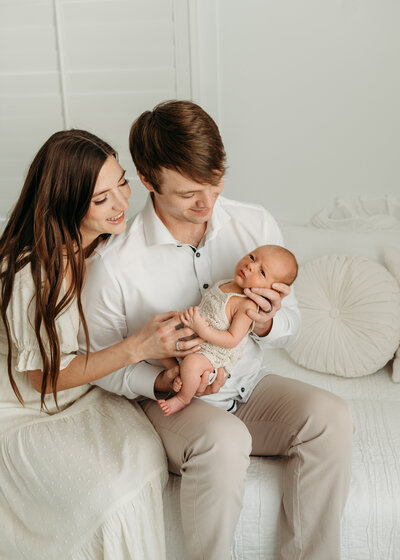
{"points": [[43, 231]]}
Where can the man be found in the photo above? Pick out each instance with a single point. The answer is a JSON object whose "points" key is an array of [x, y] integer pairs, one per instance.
{"points": [[187, 238]]}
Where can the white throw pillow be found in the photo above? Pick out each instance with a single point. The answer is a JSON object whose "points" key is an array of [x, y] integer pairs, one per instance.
{"points": [[350, 313], [392, 261]]}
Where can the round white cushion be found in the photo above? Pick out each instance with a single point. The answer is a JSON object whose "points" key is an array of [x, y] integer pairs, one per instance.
{"points": [[350, 316]]}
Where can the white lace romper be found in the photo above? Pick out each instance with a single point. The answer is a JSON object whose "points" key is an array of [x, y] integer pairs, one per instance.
{"points": [[212, 307]]}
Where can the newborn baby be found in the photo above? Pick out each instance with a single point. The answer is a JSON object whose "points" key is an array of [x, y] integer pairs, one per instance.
{"points": [[221, 319]]}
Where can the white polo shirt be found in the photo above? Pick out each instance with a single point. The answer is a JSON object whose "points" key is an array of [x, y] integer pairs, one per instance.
{"points": [[144, 271]]}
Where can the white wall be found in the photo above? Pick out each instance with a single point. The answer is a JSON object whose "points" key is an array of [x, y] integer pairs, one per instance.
{"points": [[91, 64], [307, 98], [306, 93]]}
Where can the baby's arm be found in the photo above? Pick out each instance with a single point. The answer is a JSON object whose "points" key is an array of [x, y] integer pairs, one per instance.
{"points": [[230, 338]]}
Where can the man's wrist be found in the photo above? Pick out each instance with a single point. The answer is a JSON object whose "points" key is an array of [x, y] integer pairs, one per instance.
{"points": [[162, 385], [261, 333], [158, 388]]}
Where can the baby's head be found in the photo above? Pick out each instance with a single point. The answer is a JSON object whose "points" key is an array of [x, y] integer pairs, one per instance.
{"points": [[265, 266]]}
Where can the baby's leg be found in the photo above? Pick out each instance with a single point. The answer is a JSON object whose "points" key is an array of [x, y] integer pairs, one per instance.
{"points": [[192, 368]]}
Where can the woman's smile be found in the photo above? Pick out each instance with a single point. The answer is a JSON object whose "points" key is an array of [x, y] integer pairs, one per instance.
{"points": [[118, 218]]}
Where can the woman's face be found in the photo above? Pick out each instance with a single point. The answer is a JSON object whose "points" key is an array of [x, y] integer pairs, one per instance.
{"points": [[109, 202]]}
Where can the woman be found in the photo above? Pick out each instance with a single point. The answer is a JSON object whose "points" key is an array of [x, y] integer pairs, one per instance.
{"points": [[81, 470]]}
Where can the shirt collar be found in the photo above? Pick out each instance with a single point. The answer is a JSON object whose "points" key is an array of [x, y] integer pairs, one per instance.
{"points": [[218, 219], [156, 233], [154, 230]]}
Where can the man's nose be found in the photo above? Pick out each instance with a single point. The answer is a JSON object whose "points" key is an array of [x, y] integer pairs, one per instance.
{"points": [[204, 200]]}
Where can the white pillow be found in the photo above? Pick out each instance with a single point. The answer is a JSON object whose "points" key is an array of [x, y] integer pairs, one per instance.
{"points": [[392, 261], [350, 312]]}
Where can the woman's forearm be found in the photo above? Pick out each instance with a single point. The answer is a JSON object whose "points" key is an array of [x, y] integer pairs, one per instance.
{"points": [[156, 339], [82, 370]]}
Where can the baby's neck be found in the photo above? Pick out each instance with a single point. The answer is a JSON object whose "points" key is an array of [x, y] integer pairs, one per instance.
{"points": [[231, 287]]}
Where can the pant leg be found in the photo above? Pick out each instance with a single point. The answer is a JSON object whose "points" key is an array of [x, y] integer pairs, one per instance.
{"points": [[313, 429], [210, 448]]}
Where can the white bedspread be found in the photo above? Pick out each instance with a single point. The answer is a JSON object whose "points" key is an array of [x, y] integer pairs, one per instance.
{"points": [[371, 522]]}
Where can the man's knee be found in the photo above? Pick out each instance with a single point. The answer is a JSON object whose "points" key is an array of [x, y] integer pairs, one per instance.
{"points": [[330, 415], [331, 409], [226, 446]]}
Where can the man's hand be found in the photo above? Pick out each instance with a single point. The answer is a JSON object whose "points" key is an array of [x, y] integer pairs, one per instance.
{"points": [[168, 380], [206, 389], [269, 302]]}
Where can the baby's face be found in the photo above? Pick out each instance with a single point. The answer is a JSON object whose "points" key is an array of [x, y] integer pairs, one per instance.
{"points": [[260, 269]]}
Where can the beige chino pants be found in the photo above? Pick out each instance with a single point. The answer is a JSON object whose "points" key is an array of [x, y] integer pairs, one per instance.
{"points": [[210, 448]]}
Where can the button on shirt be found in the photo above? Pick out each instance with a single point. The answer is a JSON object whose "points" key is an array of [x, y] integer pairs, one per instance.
{"points": [[144, 271]]}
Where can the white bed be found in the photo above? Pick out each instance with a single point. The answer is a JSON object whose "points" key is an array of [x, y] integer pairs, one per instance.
{"points": [[371, 522]]}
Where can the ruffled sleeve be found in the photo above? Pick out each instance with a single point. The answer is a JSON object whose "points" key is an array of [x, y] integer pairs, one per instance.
{"points": [[21, 311]]}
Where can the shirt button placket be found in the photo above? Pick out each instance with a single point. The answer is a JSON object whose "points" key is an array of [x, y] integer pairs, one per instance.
{"points": [[201, 271], [198, 265]]}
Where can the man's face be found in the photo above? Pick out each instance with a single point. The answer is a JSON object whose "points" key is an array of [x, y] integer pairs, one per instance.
{"points": [[183, 200]]}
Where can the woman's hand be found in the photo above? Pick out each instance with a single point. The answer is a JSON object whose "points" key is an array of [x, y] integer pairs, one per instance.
{"points": [[162, 337]]}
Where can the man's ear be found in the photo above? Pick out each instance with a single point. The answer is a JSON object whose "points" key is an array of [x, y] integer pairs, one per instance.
{"points": [[145, 182]]}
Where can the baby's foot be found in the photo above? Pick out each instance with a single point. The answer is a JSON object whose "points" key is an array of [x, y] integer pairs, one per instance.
{"points": [[172, 405], [177, 384]]}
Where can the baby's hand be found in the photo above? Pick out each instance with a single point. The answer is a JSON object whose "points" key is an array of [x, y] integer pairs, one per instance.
{"points": [[192, 318]]}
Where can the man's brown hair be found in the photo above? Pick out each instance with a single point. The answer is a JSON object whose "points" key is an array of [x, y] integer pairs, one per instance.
{"points": [[177, 135]]}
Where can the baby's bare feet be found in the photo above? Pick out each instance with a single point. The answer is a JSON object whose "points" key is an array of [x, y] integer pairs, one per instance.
{"points": [[164, 406], [177, 384], [175, 404]]}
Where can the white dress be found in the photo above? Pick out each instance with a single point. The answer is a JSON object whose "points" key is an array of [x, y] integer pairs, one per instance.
{"points": [[85, 483]]}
